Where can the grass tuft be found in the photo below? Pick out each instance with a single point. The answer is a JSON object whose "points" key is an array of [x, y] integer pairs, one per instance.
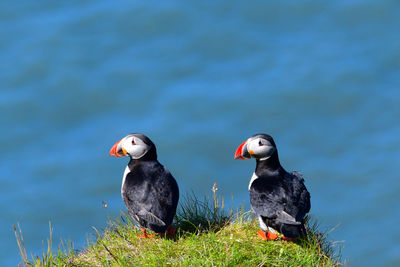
{"points": [[207, 235], [198, 215]]}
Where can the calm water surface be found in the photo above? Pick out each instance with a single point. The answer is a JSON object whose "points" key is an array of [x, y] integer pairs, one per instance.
{"points": [[199, 78]]}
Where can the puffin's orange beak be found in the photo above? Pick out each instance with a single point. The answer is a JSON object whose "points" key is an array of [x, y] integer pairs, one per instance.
{"points": [[116, 151], [240, 151]]}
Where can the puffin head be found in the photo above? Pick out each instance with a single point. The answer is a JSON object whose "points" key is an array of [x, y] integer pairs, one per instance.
{"points": [[136, 146], [259, 146]]}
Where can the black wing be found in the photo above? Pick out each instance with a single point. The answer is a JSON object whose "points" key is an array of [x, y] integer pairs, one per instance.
{"points": [[286, 199], [151, 196], [302, 199]]}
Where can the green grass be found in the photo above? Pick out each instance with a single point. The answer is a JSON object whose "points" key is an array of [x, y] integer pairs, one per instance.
{"points": [[206, 236]]}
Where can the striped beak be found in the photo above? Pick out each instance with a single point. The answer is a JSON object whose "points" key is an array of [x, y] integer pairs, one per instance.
{"points": [[241, 151], [117, 150]]}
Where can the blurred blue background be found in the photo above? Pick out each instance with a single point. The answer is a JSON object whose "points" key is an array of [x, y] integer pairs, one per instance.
{"points": [[199, 78]]}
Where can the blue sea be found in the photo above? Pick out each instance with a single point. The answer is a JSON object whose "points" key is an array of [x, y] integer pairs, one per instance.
{"points": [[199, 78]]}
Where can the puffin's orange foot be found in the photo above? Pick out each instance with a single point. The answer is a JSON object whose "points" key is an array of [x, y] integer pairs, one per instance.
{"points": [[262, 235], [267, 235], [171, 231], [288, 239], [144, 235]]}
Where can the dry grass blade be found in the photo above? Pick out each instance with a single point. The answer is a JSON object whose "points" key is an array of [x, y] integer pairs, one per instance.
{"points": [[21, 244]]}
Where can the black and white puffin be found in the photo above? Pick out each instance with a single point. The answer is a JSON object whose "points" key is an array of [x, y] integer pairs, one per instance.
{"points": [[279, 198], [148, 189]]}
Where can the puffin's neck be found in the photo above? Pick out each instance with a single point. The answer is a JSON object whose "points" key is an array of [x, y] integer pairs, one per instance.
{"points": [[140, 162], [269, 166], [151, 155]]}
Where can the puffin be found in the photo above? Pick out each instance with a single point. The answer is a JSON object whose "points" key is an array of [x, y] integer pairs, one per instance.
{"points": [[149, 190], [279, 198]]}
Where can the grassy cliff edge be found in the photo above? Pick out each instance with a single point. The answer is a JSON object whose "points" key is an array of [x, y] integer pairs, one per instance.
{"points": [[206, 236]]}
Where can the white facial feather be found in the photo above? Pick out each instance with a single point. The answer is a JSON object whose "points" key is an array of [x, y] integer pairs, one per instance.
{"points": [[260, 148], [136, 150]]}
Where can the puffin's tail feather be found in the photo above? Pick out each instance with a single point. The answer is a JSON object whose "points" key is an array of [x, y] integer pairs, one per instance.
{"points": [[290, 230], [150, 218]]}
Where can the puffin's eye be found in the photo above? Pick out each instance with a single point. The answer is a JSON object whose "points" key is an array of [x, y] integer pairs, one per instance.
{"points": [[259, 143], [133, 142]]}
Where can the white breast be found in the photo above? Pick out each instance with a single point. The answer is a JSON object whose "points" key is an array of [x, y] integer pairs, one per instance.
{"points": [[127, 170], [252, 179]]}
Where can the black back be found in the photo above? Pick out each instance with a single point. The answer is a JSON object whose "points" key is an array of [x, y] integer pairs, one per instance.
{"points": [[150, 194], [271, 195]]}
